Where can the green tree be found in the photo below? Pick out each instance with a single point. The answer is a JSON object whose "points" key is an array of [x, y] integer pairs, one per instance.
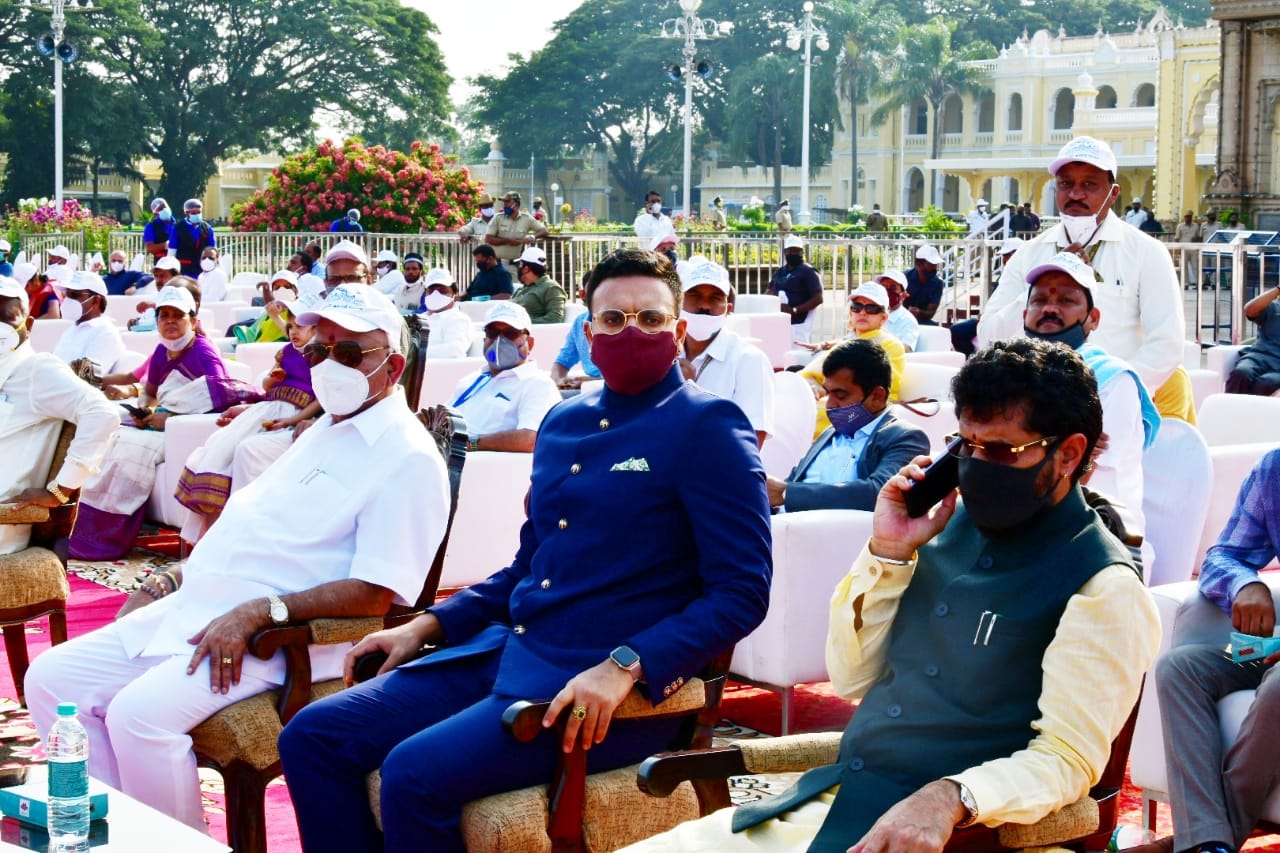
{"points": [[772, 86], [219, 77], [927, 66]]}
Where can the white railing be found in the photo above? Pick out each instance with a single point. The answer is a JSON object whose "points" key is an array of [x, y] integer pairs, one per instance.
{"points": [[1126, 117]]}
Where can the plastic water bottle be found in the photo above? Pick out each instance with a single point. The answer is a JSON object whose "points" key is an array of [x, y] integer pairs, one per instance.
{"points": [[68, 752], [1128, 835]]}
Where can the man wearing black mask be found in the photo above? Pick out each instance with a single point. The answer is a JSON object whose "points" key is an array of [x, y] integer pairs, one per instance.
{"points": [[493, 280], [799, 287]]}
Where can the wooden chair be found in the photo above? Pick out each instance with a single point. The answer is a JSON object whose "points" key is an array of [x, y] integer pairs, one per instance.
{"points": [[1086, 824], [240, 740], [33, 582], [415, 355], [602, 811]]}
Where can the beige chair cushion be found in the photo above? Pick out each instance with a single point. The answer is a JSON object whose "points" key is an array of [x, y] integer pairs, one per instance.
{"points": [[247, 731], [30, 577], [1067, 824], [618, 814]]}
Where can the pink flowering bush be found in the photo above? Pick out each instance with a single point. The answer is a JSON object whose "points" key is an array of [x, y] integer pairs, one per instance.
{"points": [[41, 216], [395, 192]]}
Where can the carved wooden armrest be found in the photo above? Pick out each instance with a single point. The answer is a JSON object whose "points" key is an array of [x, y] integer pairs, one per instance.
{"points": [[660, 774], [523, 719]]}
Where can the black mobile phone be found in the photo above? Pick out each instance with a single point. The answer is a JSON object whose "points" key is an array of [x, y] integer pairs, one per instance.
{"points": [[137, 412], [942, 475]]}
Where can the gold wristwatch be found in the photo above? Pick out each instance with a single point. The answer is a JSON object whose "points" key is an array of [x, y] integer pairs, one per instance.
{"points": [[53, 489]]}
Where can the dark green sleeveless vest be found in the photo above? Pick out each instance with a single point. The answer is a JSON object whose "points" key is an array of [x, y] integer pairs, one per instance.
{"points": [[963, 668]]}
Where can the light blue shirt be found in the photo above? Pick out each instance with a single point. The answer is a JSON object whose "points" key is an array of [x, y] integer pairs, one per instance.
{"points": [[576, 349], [837, 462]]}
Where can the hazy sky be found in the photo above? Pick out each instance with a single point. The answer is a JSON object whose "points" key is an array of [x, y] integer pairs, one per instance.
{"points": [[476, 37]]}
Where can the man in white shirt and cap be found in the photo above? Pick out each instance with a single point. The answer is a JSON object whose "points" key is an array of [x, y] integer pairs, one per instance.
{"points": [[1135, 215], [716, 358], [505, 402], [977, 218], [902, 324], [389, 281], [450, 331], [1138, 293], [61, 265], [924, 287], [93, 335]]}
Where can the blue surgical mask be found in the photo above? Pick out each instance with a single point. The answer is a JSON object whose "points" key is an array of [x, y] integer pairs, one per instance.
{"points": [[508, 210], [847, 420], [1072, 336], [194, 218], [503, 354], [165, 215]]}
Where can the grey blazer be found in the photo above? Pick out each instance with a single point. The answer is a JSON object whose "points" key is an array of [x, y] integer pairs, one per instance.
{"points": [[892, 445]]}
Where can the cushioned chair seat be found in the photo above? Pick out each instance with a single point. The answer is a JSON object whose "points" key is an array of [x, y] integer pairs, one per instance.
{"points": [[32, 576], [247, 731], [617, 814]]}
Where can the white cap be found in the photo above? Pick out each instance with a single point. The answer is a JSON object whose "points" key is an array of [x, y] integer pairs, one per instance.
{"points": [[982, 202], [306, 303], [1085, 149], [176, 297], [168, 262], [506, 311], [22, 273], [60, 251], [873, 291], [928, 254], [895, 276], [1137, 201], [439, 275], [665, 237], [1069, 263], [704, 271], [10, 289], [386, 256], [346, 250], [358, 308], [285, 275], [1011, 244], [533, 255], [792, 242], [85, 280], [4, 246]]}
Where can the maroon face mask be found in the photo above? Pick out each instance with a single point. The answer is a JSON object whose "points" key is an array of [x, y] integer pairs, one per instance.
{"points": [[633, 361]]}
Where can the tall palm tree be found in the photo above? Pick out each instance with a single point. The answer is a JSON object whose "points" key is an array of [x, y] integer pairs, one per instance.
{"points": [[863, 33], [927, 66]]}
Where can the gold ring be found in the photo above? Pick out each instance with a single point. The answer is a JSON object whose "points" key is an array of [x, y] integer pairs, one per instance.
{"points": [[228, 661], [580, 713]]}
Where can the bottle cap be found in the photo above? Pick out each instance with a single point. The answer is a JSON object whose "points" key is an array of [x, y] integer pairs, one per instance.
{"points": [[66, 709]]}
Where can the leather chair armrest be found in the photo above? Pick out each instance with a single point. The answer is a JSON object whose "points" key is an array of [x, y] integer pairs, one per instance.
{"points": [[523, 719]]}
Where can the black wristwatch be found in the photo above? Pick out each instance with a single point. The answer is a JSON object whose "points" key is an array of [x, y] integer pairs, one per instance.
{"points": [[625, 657]]}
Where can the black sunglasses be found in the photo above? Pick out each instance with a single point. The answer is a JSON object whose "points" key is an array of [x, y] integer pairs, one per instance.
{"points": [[346, 353]]}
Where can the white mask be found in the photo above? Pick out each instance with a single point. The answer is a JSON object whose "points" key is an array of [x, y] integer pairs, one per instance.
{"points": [[9, 340], [702, 327], [382, 271], [117, 266], [208, 264], [487, 212], [72, 310], [436, 301], [57, 271], [181, 343], [285, 295], [1079, 229], [656, 208], [341, 389]]}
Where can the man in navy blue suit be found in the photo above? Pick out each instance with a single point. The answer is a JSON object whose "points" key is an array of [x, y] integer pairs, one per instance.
{"points": [[865, 444], [645, 554]]}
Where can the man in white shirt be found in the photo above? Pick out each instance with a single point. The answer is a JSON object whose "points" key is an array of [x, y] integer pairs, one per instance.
{"points": [[450, 330], [977, 218], [37, 394], [902, 324], [651, 221], [94, 336], [410, 296], [504, 404], [1135, 215], [1138, 295], [389, 281], [145, 680], [716, 358]]}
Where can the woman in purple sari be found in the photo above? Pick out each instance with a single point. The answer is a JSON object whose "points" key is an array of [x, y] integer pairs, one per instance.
{"points": [[184, 376]]}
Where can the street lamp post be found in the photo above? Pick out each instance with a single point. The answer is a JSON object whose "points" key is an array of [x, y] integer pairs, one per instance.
{"points": [[806, 33], [60, 54], [691, 28]]}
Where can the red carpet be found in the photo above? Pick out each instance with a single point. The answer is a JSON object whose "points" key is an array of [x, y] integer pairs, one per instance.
{"points": [[817, 708]]}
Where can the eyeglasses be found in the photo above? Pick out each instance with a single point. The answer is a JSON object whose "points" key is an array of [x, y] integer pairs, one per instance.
{"points": [[80, 295], [510, 333], [352, 278], [996, 451], [611, 321], [346, 353], [1086, 186], [865, 308]]}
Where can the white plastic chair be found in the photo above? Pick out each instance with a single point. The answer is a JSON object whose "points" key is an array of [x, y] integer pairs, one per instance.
{"points": [[442, 377], [1231, 465], [934, 339], [1175, 500], [46, 333], [548, 338], [758, 303], [932, 381], [486, 526], [1239, 419], [138, 262], [258, 358], [950, 358], [795, 412]]}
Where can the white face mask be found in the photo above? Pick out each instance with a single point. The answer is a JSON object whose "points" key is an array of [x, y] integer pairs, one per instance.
{"points": [[656, 208], [1080, 229], [341, 389], [487, 212], [117, 266], [285, 295], [72, 310], [437, 301], [382, 271], [702, 327], [9, 340], [181, 343], [208, 264], [56, 271]]}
